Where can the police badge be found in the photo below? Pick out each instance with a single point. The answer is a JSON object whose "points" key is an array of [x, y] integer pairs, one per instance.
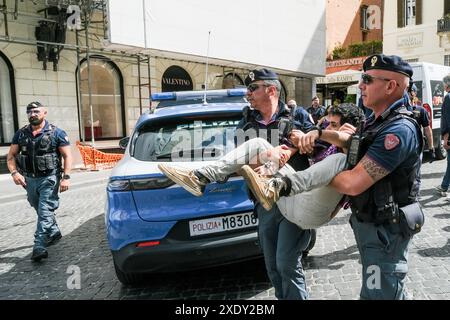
{"points": [[374, 61]]}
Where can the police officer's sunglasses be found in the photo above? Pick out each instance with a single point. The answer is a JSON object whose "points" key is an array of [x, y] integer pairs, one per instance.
{"points": [[368, 79], [255, 86], [33, 111]]}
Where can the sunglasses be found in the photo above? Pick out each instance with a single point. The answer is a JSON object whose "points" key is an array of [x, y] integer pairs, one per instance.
{"points": [[255, 86], [33, 111], [368, 79]]}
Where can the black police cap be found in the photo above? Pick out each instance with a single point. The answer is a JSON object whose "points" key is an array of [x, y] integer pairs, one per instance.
{"points": [[412, 87], [33, 105], [388, 63], [260, 74]]}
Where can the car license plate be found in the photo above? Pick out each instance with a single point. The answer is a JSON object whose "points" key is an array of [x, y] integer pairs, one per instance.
{"points": [[221, 224]]}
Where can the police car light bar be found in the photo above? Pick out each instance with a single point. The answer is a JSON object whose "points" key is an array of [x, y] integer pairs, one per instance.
{"points": [[194, 95]]}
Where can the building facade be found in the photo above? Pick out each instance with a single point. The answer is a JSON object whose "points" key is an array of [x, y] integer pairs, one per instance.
{"points": [[411, 30], [353, 26], [90, 81], [353, 21]]}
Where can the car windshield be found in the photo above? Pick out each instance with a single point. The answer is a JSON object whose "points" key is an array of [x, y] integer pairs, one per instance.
{"points": [[182, 139]]}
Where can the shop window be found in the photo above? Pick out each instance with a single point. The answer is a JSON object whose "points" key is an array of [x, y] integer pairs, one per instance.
{"points": [[8, 109], [107, 99], [232, 80]]}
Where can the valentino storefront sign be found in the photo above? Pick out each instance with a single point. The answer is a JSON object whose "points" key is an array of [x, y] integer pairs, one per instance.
{"points": [[176, 78]]}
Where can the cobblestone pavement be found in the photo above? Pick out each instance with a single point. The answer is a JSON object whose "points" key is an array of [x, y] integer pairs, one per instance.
{"points": [[332, 269]]}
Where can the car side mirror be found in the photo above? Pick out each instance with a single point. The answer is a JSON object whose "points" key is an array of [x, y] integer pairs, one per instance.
{"points": [[124, 142]]}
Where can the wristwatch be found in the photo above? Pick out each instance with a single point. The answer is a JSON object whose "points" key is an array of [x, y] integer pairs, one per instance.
{"points": [[318, 128], [14, 173], [66, 177]]}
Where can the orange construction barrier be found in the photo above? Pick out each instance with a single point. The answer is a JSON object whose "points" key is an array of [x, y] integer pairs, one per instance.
{"points": [[95, 159]]}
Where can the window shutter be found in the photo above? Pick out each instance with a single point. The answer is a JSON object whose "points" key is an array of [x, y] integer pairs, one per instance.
{"points": [[363, 15], [419, 9], [401, 13], [446, 7]]}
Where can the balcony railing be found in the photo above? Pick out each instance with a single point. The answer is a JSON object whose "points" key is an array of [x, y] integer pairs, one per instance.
{"points": [[443, 25]]}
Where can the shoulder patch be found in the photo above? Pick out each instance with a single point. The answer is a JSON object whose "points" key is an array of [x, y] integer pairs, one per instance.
{"points": [[391, 141]]}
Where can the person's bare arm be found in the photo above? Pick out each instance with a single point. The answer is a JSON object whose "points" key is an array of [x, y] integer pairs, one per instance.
{"points": [[307, 141], [67, 156], [429, 134], [12, 166], [353, 182]]}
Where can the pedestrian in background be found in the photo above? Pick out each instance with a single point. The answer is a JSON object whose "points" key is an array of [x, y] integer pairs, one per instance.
{"points": [[35, 162], [316, 110], [423, 119], [293, 104], [445, 132]]}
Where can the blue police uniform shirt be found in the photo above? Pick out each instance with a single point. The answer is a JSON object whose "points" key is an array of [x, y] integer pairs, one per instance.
{"points": [[317, 113], [301, 118], [424, 118], [62, 139], [445, 119], [396, 145]]}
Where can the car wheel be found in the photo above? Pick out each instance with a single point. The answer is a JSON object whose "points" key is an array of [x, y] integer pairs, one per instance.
{"points": [[128, 278], [311, 244], [441, 153]]}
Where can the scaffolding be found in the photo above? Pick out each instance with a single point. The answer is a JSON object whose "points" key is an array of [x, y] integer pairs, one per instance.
{"points": [[90, 29]]}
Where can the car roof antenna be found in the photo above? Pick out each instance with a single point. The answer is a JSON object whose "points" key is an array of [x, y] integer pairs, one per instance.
{"points": [[206, 71]]}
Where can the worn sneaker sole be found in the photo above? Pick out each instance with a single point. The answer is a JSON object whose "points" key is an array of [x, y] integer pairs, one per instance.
{"points": [[168, 171], [251, 177]]}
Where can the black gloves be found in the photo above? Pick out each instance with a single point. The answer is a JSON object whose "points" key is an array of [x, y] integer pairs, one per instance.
{"points": [[432, 155]]}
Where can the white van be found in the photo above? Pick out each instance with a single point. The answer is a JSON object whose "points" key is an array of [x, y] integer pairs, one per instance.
{"points": [[430, 91]]}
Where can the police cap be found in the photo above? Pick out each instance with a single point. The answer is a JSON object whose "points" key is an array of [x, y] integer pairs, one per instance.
{"points": [[261, 74], [34, 105], [412, 87], [388, 63]]}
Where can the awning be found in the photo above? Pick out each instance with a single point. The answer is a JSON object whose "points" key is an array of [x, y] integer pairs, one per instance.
{"points": [[340, 77]]}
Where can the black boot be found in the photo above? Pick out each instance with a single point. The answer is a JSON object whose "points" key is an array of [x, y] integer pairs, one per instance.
{"points": [[38, 254]]}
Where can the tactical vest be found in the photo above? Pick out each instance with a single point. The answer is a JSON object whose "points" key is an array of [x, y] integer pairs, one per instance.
{"points": [[38, 157], [380, 203], [297, 161]]}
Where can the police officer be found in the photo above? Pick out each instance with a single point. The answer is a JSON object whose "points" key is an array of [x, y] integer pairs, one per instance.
{"points": [[34, 160], [381, 180], [316, 110], [423, 119], [282, 242]]}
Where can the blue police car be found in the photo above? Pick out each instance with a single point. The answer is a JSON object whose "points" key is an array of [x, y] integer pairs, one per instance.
{"points": [[155, 226]]}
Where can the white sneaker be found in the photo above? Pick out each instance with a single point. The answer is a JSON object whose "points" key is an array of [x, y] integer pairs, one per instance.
{"points": [[265, 189], [183, 177]]}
